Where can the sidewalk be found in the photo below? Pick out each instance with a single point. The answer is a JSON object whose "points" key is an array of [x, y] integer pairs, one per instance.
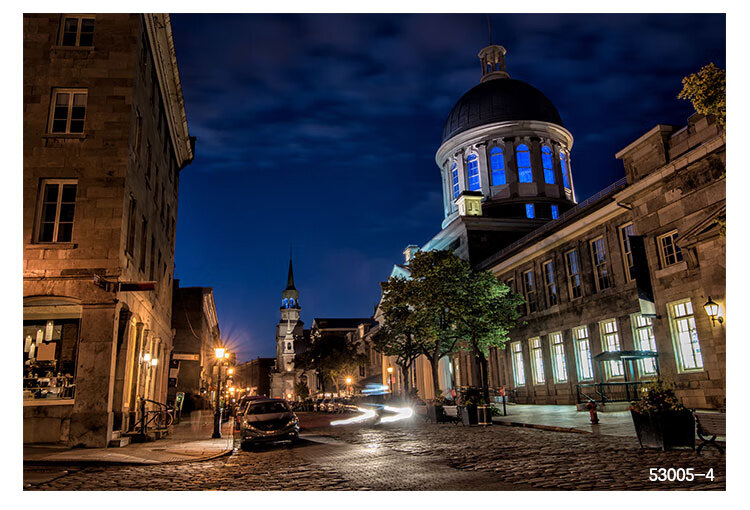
{"points": [[190, 441], [566, 418]]}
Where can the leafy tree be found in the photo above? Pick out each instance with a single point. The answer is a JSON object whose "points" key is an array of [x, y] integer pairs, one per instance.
{"points": [[301, 389], [333, 356], [706, 89]]}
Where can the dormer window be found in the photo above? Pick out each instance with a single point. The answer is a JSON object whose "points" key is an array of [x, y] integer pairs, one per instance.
{"points": [[497, 163], [472, 164], [523, 160]]}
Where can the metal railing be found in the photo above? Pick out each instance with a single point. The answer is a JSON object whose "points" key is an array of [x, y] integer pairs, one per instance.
{"points": [[156, 419], [608, 392]]}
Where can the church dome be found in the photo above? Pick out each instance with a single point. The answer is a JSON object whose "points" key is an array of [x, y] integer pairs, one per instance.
{"points": [[499, 100]]}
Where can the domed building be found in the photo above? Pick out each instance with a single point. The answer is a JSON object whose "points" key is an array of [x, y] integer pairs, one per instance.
{"points": [[504, 162]]}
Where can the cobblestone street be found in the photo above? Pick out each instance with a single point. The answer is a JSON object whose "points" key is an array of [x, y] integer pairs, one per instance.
{"points": [[414, 456]]}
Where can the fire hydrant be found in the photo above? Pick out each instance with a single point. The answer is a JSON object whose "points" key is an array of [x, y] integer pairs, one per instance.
{"points": [[591, 408]]}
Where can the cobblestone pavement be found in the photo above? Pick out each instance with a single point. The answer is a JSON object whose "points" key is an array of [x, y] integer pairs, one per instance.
{"points": [[414, 456]]}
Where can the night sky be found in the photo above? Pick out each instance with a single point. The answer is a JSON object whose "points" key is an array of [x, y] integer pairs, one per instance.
{"points": [[321, 130]]}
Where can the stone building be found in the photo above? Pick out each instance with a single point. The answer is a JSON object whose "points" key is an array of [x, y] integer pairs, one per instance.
{"points": [[105, 137], [197, 334], [255, 376], [615, 285]]}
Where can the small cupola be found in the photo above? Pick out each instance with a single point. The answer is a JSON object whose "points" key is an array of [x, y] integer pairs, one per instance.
{"points": [[492, 58]]}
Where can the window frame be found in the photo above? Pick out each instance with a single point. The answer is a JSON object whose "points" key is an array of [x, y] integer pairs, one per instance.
{"points": [[58, 205], [627, 251], [578, 339], [527, 150], [693, 331], [546, 276], [472, 167], [676, 253], [557, 356], [564, 168], [527, 291], [130, 232], [638, 324], [80, 18], [516, 358], [601, 271], [570, 275], [609, 366], [494, 153], [72, 92], [536, 358], [455, 181], [554, 211], [530, 209], [550, 158]]}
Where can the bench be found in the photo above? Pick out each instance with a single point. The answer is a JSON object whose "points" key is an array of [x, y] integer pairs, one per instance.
{"points": [[710, 424], [452, 414]]}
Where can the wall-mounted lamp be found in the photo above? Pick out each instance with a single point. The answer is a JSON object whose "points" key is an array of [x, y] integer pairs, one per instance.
{"points": [[712, 310], [154, 362], [220, 352], [147, 357]]}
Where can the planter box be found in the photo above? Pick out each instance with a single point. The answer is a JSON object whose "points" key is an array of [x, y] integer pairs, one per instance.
{"points": [[435, 413], [665, 430], [469, 415], [484, 415]]}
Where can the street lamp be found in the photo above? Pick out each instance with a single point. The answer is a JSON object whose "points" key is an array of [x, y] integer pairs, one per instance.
{"points": [[349, 385], [221, 354], [712, 310], [390, 379]]}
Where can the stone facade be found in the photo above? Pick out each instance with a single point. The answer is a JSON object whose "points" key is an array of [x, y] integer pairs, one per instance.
{"points": [[104, 139], [255, 375]]}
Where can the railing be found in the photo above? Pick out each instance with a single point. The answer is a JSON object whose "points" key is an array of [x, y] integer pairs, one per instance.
{"points": [[160, 418], [608, 392]]}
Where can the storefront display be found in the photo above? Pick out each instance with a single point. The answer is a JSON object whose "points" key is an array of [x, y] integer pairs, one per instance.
{"points": [[49, 358]]}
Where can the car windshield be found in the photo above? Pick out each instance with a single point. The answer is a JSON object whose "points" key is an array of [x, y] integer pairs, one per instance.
{"points": [[267, 408]]}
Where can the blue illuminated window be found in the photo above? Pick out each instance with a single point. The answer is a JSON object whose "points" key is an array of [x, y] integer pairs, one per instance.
{"points": [[529, 210], [291, 302], [555, 212], [549, 167], [497, 162], [564, 168], [285, 303], [472, 164], [454, 177], [523, 159]]}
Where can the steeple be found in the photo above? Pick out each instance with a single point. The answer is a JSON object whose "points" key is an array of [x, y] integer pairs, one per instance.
{"points": [[290, 295], [290, 276]]}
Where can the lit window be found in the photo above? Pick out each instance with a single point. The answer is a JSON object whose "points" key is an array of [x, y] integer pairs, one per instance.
{"points": [[564, 168], [529, 210], [454, 178], [555, 211], [56, 211], [611, 343], [557, 349], [285, 303], [574, 274], [583, 353], [550, 290], [548, 165], [77, 31], [537, 363], [599, 261], [518, 374], [472, 165], [627, 252], [291, 302], [523, 159], [685, 336], [669, 252], [644, 340], [497, 162], [50, 346], [68, 111], [529, 291]]}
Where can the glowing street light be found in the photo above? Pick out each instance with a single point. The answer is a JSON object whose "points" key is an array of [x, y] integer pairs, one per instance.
{"points": [[221, 354], [390, 379], [230, 371]]}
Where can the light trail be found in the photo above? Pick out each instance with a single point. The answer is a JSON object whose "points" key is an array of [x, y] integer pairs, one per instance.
{"points": [[366, 415], [402, 413]]}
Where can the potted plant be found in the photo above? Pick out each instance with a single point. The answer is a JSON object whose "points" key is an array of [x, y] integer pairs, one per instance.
{"points": [[468, 403], [660, 420], [435, 412]]}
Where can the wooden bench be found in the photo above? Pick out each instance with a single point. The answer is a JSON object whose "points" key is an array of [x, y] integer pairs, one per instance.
{"points": [[452, 414], [710, 424]]}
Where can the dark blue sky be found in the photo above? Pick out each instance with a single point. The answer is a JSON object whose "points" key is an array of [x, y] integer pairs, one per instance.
{"points": [[321, 131]]}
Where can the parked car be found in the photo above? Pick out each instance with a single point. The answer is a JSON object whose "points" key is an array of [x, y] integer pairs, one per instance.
{"points": [[268, 420], [323, 405]]}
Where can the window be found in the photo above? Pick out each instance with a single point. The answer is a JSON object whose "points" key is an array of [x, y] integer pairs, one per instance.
{"points": [[152, 258], [77, 31], [149, 163], [454, 179], [56, 211], [529, 291], [68, 111], [684, 336], [643, 339], [497, 163], [537, 363], [517, 357], [138, 133], [583, 353], [564, 169], [599, 261], [472, 165], [529, 210], [669, 252], [49, 347], [144, 244], [611, 343], [548, 165], [510, 282], [574, 274], [555, 211], [523, 159], [130, 242], [557, 350], [550, 290], [627, 253]]}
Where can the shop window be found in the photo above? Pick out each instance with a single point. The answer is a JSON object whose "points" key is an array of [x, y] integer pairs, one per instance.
{"points": [[583, 353], [611, 343], [523, 160], [669, 252], [49, 358], [685, 336], [627, 252], [519, 377], [77, 31], [557, 352], [573, 269], [68, 112], [537, 361], [56, 211], [644, 340], [497, 163], [548, 165]]}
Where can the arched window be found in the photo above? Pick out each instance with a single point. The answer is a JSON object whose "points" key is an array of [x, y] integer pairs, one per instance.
{"points": [[497, 163], [285, 303], [564, 168], [291, 302], [549, 167], [472, 164], [454, 179], [523, 159]]}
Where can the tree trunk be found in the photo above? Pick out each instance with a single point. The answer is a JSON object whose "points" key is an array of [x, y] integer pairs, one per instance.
{"points": [[484, 376], [434, 361]]}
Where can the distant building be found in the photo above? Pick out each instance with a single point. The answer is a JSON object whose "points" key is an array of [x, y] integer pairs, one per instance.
{"points": [[347, 330], [105, 137], [197, 334], [254, 376]]}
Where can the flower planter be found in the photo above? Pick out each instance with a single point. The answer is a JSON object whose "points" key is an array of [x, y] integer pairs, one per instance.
{"points": [[469, 415], [664, 430], [484, 415], [435, 413]]}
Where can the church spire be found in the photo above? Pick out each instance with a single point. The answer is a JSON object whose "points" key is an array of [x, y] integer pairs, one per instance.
{"points": [[290, 277]]}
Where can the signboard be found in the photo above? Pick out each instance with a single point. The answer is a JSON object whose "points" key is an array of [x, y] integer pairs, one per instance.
{"points": [[186, 357]]}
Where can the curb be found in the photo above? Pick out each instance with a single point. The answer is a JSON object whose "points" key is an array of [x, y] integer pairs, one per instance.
{"points": [[541, 427]]}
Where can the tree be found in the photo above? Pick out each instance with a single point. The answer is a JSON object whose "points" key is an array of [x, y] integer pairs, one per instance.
{"points": [[706, 89], [333, 356], [486, 313], [395, 336]]}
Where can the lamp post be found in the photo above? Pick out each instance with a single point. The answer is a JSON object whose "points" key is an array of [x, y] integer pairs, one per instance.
{"points": [[390, 379], [220, 355], [349, 385]]}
